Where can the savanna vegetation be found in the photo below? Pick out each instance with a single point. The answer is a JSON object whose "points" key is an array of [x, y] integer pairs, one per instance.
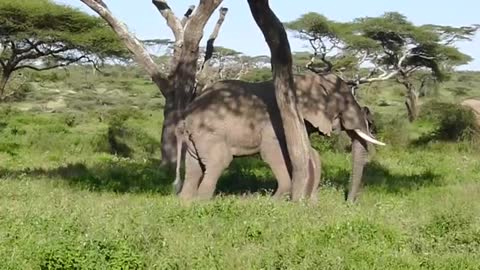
{"points": [[81, 185]]}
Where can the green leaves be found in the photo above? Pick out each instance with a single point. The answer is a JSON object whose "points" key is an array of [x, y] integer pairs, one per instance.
{"points": [[42, 35], [388, 42], [56, 26], [313, 24]]}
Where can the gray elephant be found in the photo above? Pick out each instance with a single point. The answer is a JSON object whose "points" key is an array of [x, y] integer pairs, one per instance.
{"points": [[236, 118]]}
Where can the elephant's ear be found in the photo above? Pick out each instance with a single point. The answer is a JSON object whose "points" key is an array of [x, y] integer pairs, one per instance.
{"points": [[319, 120]]}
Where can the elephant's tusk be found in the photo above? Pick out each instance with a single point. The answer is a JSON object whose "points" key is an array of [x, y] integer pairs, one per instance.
{"points": [[368, 138]]}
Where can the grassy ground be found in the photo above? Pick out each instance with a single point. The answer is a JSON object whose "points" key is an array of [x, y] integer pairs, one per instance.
{"points": [[80, 188]]}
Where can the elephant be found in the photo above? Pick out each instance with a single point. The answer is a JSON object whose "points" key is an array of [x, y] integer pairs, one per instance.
{"points": [[237, 118]]}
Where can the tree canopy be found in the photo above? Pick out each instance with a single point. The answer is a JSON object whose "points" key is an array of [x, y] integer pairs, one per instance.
{"points": [[382, 41], [42, 35], [389, 45]]}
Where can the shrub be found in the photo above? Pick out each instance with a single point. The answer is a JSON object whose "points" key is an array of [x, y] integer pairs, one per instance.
{"points": [[393, 130], [336, 142], [458, 124], [433, 111], [124, 139]]}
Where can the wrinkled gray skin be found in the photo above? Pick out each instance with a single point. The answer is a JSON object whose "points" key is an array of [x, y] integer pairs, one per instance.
{"points": [[237, 118]]}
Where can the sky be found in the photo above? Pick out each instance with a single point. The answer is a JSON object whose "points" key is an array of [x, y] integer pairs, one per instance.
{"points": [[239, 31]]}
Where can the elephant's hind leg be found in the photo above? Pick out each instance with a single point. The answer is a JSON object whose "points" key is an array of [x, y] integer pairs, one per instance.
{"points": [[216, 159], [193, 175], [271, 153]]}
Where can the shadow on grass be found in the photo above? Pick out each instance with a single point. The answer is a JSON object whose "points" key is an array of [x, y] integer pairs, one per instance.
{"points": [[244, 176], [376, 175], [247, 175], [116, 176]]}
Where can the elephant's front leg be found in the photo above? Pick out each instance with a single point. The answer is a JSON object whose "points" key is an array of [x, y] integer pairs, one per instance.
{"points": [[271, 153], [193, 176]]}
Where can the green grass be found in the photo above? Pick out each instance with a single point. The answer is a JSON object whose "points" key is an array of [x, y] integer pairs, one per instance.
{"points": [[68, 202]]}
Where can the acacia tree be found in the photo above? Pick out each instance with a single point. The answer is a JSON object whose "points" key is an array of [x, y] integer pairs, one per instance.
{"points": [[327, 40], [178, 85], [399, 49], [281, 62], [390, 45], [42, 35]]}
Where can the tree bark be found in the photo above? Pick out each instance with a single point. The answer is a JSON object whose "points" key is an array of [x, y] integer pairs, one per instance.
{"points": [[411, 102], [142, 57], [294, 128], [6, 73], [183, 75]]}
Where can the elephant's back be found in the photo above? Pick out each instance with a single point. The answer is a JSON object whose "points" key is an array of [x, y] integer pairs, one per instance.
{"points": [[231, 112]]}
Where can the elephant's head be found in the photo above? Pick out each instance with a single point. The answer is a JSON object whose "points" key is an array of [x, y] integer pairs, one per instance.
{"points": [[327, 103]]}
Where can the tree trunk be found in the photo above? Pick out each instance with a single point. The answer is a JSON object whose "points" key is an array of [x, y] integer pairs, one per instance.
{"points": [[180, 94], [177, 88], [6, 73], [411, 102], [294, 128], [182, 79], [168, 139], [359, 159]]}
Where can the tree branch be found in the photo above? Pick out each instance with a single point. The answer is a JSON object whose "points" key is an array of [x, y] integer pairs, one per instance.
{"points": [[214, 35], [133, 44], [321, 50], [38, 53], [172, 21], [71, 61], [187, 14]]}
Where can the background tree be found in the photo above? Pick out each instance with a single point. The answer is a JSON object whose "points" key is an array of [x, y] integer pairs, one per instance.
{"points": [[42, 35], [294, 129], [398, 48], [179, 84], [326, 38], [229, 64], [373, 49]]}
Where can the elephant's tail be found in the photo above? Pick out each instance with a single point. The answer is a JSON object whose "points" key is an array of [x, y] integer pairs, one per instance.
{"points": [[180, 134]]}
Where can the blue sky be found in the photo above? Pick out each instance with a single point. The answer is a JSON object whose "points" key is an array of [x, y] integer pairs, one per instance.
{"points": [[240, 32]]}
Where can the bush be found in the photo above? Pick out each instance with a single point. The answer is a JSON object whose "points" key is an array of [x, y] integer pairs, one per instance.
{"points": [[458, 124], [433, 111], [336, 142], [393, 130]]}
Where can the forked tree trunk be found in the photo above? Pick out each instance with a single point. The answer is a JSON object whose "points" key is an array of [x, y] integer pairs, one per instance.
{"points": [[182, 85], [298, 145], [178, 86], [411, 102]]}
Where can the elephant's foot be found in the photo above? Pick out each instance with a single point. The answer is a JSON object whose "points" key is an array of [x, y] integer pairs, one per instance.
{"points": [[177, 187], [186, 196], [283, 191], [281, 196]]}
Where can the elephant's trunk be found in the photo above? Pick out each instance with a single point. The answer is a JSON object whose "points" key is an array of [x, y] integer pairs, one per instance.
{"points": [[359, 159]]}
